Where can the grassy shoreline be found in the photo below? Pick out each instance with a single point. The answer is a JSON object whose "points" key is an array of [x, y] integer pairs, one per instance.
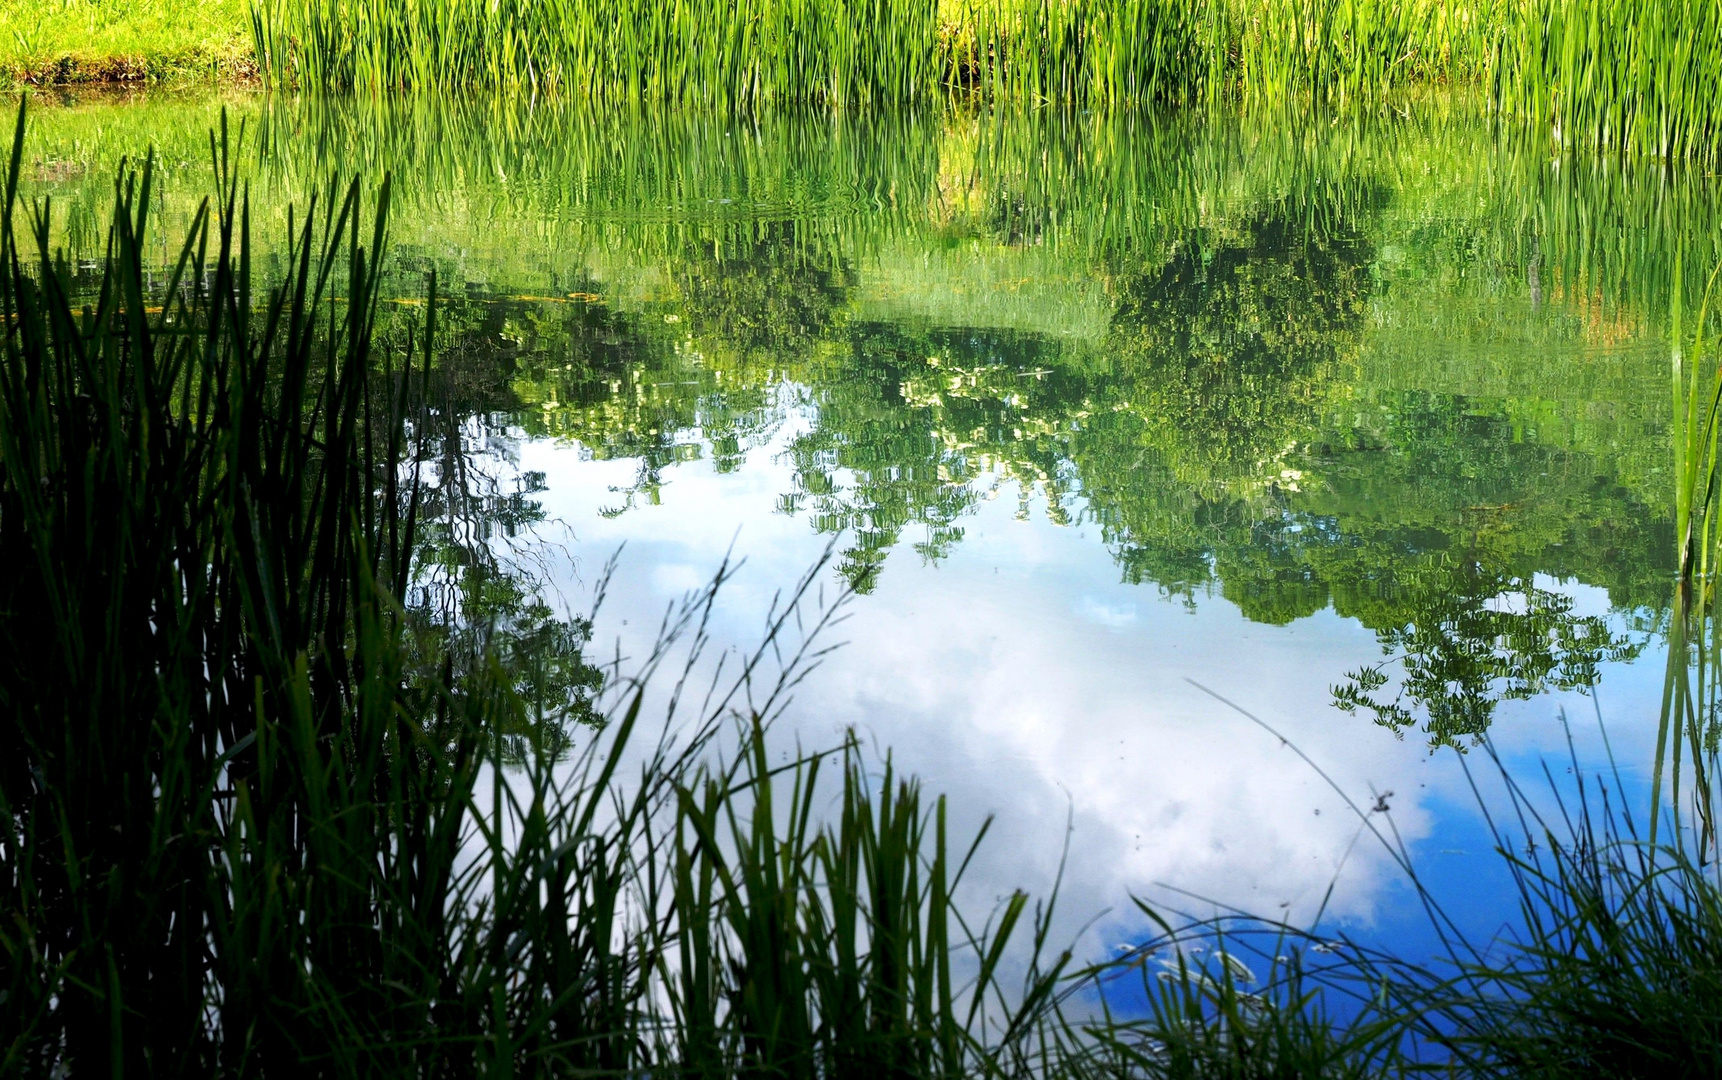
{"points": [[71, 42], [1596, 74]]}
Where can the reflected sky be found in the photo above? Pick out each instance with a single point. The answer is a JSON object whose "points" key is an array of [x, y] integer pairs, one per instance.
{"points": [[1360, 425], [1023, 678]]}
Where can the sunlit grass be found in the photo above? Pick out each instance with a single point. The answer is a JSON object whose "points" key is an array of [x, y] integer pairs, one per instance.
{"points": [[60, 41], [1600, 74], [1614, 75]]}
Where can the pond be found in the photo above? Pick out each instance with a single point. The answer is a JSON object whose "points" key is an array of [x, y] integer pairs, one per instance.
{"points": [[1117, 427]]}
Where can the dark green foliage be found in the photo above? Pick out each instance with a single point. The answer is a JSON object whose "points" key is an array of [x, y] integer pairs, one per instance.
{"points": [[1214, 1018], [258, 816], [829, 947], [1234, 341], [196, 497], [231, 816]]}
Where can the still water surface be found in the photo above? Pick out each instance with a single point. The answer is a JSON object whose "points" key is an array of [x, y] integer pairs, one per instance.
{"points": [[1360, 425]]}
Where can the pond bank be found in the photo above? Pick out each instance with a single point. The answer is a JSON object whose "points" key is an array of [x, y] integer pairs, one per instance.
{"points": [[153, 41]]}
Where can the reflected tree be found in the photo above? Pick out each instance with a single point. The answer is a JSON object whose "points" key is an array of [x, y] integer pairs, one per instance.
{"points": [[478, 596], [1229, 351], [1224, 359], [1472, 640], [1216, 433], [913, 427]]}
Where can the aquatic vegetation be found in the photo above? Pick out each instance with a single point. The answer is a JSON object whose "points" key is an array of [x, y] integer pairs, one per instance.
{"points": [[699, 52], [1603, 75], [841, 51], [1690, 727], [1611, 969], [1598, 75], [303, 778], [1369, 368]]}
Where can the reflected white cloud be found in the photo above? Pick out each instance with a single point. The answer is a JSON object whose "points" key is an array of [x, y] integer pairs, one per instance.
{"points": [[1022, 678], [1114, 616]]}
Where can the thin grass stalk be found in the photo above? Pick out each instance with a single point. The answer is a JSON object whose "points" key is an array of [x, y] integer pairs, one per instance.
{"points": [[1687, 727]]}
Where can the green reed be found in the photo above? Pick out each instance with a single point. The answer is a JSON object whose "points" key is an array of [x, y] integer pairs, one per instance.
{"points": [[1613, 76], [844, 51], [1599, 74], [1610, 969], [1691, 719], [206, 784], [699, 51], [257, 813]]}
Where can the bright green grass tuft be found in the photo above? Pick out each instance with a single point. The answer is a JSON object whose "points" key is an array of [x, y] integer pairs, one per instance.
{"points": [[1599, 74], [72, 41]]}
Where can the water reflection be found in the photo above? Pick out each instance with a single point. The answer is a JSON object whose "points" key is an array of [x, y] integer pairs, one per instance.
{"points": [[1232, 351], [1379, 407]]}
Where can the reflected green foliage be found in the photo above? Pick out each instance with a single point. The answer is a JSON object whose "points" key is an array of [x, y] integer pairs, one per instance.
{"points": [[1229, 350], [1405, 370], [924, 424], [764, 298], [1474, 641]]}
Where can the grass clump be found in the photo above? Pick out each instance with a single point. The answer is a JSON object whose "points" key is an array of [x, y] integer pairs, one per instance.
{"points": [[1599, 74], [1612, 76], [89, 41], [1111, 52], [702, 51], [1612, 969], [1619, 972]]}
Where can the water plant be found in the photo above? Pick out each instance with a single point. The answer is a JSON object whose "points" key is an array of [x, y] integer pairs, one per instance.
{"points": [[1596, 75], [1609, 76], [847, 51], [1690, 725], [261, 811]]}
